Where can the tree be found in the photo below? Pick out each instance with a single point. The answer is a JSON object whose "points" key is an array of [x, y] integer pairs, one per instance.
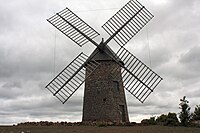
{"points": [[196, 114], [161, 120], [168, 120], [172, 119], [184, 115], [150, 121]]}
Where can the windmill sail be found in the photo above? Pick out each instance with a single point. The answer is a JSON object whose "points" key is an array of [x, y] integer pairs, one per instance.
{"points": [[138, 78], [127, 22], [73, 27], [71, 77]]}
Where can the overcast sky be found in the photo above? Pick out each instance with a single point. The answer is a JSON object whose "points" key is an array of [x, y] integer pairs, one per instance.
{"points": [[169, 44]]}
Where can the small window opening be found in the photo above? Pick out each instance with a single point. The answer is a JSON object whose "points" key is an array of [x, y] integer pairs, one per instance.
{"points": [[104, 99], [115, 86]]}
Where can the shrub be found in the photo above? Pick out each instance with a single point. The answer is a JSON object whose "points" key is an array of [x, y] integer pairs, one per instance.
{"points": [[196, 114], [168, 120], [150, 121], [185, 115]]}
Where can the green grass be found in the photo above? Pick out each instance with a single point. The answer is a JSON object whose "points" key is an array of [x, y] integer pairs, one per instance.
{"points": [[96, 129]]}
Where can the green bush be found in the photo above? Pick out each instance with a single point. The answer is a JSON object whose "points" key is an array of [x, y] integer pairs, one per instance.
{"points": [[196, 114], [150, 121], [168, 120], [185, 115], [161, 120]]}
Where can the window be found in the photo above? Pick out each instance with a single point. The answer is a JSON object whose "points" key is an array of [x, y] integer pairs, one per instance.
{"points": [[115, 86]]}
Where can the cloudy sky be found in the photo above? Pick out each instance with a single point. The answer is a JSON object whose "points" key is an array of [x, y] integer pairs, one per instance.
{"points": [[169, 44]]}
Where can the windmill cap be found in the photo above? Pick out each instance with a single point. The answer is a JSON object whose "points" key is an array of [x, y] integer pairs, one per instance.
{"points": [[105, 54]]}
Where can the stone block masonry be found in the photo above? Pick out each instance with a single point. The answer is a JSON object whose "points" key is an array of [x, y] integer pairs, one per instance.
{"points": [[104, 97]]}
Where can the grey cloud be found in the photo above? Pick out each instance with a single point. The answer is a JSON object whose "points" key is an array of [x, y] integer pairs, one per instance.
{"points": [[191, 58], [11, 85], [179, 11], [10, 90], [194, 94]]}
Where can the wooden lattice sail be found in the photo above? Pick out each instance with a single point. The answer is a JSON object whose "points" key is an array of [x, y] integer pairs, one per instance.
{"points": [[106, 74]]}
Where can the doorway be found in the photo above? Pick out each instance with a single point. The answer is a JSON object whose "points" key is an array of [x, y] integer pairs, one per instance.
{"points": [[122, 113]]}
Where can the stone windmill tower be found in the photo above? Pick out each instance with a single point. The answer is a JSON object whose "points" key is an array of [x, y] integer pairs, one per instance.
{"points": [[106, 73], [104, 97]]}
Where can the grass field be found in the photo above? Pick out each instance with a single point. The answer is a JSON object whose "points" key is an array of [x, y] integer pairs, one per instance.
{"points": [[96, 129]]}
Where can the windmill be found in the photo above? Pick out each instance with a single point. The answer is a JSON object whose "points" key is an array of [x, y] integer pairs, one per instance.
{"points": [[106, 73]]}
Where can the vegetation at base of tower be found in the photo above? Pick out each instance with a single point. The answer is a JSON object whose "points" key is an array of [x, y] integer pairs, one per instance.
{"points": [[186, 118], [168, 120], [185, 114], [165, 120], [151, 121], [196, 114]]}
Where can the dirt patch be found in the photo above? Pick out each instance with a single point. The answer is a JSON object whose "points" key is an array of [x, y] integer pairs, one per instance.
{"points": [[97, 129]]}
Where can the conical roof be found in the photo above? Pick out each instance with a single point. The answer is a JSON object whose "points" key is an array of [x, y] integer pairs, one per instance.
{"points": [[103, 54]]}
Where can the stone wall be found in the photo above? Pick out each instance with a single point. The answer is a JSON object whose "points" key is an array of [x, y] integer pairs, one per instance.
{"points": [[104, 95]]}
